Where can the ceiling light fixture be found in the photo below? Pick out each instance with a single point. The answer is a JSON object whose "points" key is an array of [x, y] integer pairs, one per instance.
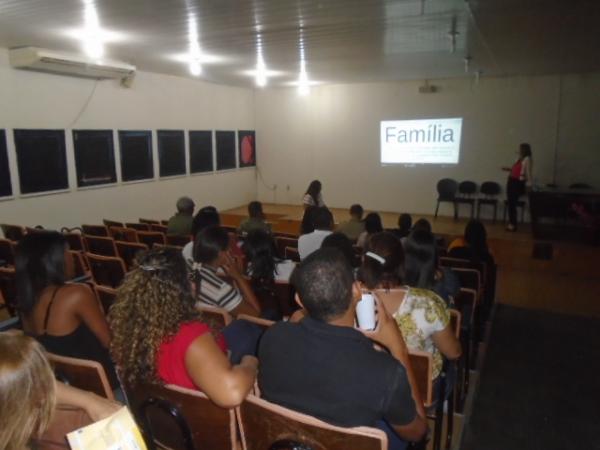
{"points": [[195, 66], [303, 83], [93, 43], [261, 73]]}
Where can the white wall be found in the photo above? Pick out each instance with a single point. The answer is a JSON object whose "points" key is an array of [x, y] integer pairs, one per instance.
{"points": [[333, 135], [37, 100]]}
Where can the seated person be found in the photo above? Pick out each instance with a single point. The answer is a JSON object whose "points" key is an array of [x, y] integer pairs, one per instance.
{"points": [[307, 225], [160, 337], [421, 314], [421, 267], [206, 217], [64, 317], [255, 221], [334, 371], [29, 393], [211, 253], [343, 244], [323, 222], [181, 223], [372, 225], [355, 226], [422, 224], [473, 246], [404, 226], [264, 265]]}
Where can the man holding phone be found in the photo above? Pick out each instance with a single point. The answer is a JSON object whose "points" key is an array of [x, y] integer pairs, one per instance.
{"points": [[324, 367]]}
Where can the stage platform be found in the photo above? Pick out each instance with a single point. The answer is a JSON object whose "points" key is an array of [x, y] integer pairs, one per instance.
{"points": [[560, 277]]}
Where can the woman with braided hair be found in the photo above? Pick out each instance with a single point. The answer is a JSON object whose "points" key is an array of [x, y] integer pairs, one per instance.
{"points": [[159, 337]]}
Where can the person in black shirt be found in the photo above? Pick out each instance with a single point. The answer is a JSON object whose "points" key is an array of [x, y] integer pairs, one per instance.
{"points": [[324, 367]]}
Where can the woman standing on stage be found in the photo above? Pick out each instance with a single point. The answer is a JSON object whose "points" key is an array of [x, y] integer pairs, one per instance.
{"points": [[312, 196], [519, 180]]}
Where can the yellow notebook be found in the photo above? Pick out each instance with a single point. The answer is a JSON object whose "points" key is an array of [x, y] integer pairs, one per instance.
{"points": [[117, 432]]}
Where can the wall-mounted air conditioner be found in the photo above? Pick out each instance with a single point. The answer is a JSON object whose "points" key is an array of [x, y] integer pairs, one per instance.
{"points": [[33, 58]]}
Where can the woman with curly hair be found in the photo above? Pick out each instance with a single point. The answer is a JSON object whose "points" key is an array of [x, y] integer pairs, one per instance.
{"points": [[159, 336]]}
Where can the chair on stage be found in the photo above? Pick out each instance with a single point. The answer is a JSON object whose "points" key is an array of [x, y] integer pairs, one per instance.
{"points": [[467, 191], [446, 189], [490, 191]]}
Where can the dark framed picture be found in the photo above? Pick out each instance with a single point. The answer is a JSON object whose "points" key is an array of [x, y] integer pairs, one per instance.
{"points": [[225, 150], [42, 160], [94, 157], [5, 180], [247, 148], [136, 155], [201, 151], [171, 152]]}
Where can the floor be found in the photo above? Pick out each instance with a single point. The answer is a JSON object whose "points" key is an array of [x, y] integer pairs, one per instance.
{"points": [[539, 384]]}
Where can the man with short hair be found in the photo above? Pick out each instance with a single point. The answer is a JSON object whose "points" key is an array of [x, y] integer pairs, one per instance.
{"points": [[181, 223], [323, 222], [324, 367], [355, 226]]}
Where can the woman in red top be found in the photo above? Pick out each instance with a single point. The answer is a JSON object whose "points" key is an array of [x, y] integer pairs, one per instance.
{"points": [[518, 179], [159, 337]]}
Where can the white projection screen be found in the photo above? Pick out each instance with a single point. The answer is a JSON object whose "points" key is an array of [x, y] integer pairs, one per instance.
{"points": [[425, 141]]}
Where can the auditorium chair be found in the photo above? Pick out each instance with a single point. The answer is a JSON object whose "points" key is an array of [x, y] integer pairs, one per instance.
{"points": [[446, 189], [95, 230], [8, 288], [7, 252], [151, 237], [13, 232], [466, 301], [81, 271], [490, 191], [158, 228], [278, 295], [178, 240], [106, 296], [123, 234], [467, 191], [128, 251], [82, 374], [112, 223], [149, 221], [266, 426], [281, 242], [106, 271], [138, 226], [177, 418], [74, 239], [292, 254], [100, 245]]}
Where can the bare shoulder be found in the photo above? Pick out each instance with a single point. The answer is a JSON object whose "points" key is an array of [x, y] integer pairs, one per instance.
{"points": [[77, 291]]}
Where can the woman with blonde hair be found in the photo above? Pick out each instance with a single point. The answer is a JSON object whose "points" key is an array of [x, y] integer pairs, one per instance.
{"points": [[29, 393], [158, 336]]}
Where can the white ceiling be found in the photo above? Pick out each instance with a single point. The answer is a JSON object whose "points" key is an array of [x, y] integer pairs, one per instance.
{"points": [[344, 40]]}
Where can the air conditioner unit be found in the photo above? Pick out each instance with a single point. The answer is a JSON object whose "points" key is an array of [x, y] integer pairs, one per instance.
{"points": [[33, 58]]}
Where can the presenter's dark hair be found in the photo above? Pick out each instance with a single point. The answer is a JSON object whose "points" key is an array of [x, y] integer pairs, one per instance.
{"points": [[341, 242], [356, 210], [260, 251], [209, 242], [323, 219], [525, 149], [324, 284], [389, 273], [308, 221], [39, 263], [373, 223], [206, 217], [420, 259], [255, 210], [314, 189]]}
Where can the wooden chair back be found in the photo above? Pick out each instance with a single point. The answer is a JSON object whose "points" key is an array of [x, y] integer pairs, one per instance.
{"points": [[151, 237], [149, 221], [281, 242], [291, 253], [181, 419], [469, 279], [82, 374], [422, 366], [74, 240], [278, 295], [123, 234], [218, 316], [12, 232], [178, 240], [128, 252], [466, 297], [175, 247], [158, 228], [461, 263], [106, 296], [137, 226], [266, 426], [95, 230], [455, 321], [112, 223], [8, 288], [100, 245], [106, 271], [80, 268], [7, 252]]}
